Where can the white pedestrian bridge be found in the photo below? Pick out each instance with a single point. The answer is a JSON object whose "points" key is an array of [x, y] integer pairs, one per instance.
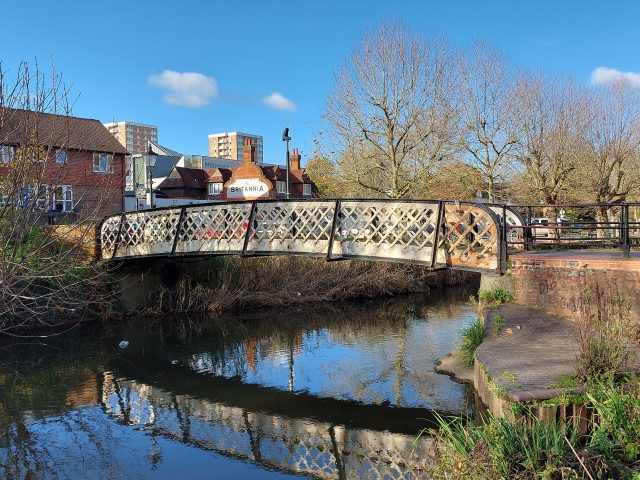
{"points": [[438, 234]]}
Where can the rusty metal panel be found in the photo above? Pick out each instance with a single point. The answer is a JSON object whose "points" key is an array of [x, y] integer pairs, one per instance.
{"points": [[471, 238]]}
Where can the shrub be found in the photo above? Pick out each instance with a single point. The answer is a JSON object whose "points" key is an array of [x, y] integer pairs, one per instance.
{"points": [[616, 432], [606, 334], [472, 337]]}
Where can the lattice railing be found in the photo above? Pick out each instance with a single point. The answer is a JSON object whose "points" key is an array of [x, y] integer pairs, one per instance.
{"points": [[467, 236]]}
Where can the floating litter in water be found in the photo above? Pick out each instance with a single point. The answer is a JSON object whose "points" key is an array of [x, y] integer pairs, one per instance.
{"points": [[123, 344]]}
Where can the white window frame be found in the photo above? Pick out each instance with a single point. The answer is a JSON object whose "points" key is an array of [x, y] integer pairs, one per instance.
{"points": [[66, 198], [215, 188], [62, 156], [7, 153], [306, 189], [281, 187], [102, 167]]}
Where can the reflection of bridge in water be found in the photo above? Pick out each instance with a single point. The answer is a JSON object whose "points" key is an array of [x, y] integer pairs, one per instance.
{"points": [[297, 445], [435, 233]]}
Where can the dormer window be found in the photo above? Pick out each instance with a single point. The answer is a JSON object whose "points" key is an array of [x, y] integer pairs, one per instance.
{"points": [[281, 187], [306, 189], [215, 188]]}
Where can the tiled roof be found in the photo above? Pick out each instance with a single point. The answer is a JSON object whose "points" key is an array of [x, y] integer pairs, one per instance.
{"points": [[219, 174], [19, 127], [192, 177]]}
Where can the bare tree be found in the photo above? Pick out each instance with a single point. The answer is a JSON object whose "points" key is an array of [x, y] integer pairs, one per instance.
{"points": [[485, 105], [548, 145], [389, 115], [610, 135], [45, 280]]}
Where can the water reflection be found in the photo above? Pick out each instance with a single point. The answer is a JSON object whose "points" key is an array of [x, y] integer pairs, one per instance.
{"points": [[332, 393], [289, 444]]}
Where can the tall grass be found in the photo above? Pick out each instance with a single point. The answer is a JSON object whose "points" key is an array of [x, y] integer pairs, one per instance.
{"points": [[472, 336], [500, 449]]}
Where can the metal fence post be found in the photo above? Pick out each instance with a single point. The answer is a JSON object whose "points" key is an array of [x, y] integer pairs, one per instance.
{"points": [[177, 234], [334, 224], [252, 215], [436, 234], [624, 233], [528, 232]]}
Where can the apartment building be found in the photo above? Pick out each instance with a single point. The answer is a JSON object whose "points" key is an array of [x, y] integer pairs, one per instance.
{"points": [[230, 145], [134, 136]]}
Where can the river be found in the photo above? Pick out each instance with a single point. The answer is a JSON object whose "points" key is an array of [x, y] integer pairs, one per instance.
{"points": [[326, 391]]}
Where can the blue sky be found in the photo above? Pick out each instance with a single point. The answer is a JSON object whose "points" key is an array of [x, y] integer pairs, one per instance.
{"points": [[114, 53]]}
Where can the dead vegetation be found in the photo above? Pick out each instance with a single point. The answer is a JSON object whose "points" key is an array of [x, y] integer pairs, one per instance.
{"points": [[222, 284]]}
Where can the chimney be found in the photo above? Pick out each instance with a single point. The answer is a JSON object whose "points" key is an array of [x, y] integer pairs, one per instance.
{"points": [[249, 151], [294, 160]]}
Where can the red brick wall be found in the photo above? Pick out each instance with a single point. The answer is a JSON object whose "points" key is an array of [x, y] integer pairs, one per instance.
{"points": [[94, 194], [563, 286]]}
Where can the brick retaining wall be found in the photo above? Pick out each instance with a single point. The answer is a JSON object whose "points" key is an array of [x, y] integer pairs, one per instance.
{"points": [[561, 282]]}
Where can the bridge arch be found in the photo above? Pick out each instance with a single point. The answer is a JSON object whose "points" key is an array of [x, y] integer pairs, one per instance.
{"points": [[439, 234]]}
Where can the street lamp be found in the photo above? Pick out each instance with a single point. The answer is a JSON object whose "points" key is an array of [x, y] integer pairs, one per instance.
{"points": [[150, 159], [286, 138]]}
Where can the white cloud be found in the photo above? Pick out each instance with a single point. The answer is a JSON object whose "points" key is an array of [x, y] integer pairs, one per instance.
{"points": [[606, 75], [188, 89], [277, 101]]}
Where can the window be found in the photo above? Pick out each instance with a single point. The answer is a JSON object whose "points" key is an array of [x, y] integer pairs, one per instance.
{"points": [[6, 152], [102, 163], [61, 199], [281, 187], [61, 156], [306, 189], [215, 188]]}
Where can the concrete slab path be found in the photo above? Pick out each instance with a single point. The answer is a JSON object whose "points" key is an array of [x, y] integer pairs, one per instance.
{"points": [[531, 351]]}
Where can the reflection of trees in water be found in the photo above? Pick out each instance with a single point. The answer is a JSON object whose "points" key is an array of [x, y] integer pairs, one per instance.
{"points": [[42, 439], [235, 345]]}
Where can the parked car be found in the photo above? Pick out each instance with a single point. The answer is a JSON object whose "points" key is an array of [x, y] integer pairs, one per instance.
{"points": [[538, 227]]}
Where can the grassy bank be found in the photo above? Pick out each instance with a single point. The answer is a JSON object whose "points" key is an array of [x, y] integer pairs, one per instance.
{"points": [[603, 444], [222, 284], [499, 449]]}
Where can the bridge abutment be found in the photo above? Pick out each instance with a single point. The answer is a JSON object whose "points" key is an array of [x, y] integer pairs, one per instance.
{"points": [[493, 281], [139, 282]]}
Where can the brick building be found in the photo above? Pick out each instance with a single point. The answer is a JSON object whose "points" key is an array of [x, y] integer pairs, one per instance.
{"points": [[249, 181], [74, 166]]}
